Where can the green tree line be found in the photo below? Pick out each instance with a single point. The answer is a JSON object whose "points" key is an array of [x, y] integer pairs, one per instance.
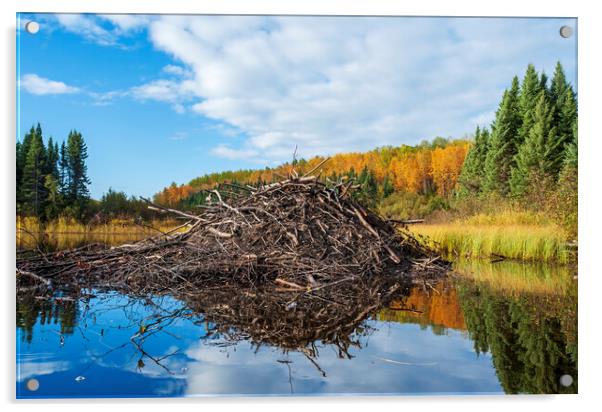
{"points": [[532, 145], [51, 179], [530, 337]]}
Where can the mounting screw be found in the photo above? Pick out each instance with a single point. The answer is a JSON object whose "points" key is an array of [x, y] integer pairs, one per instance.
{"points": [[566, 31]]}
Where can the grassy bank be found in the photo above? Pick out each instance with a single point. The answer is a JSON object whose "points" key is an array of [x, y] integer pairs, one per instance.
{"points": [[513, 235]]}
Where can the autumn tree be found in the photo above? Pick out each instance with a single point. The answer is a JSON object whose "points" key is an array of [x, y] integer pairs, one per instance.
{"points": [[446, 166]]}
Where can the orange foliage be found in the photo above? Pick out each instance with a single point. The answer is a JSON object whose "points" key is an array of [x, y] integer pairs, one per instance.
{"points": [[420, 169], [439, 308], [171, 195], [446, 166]]}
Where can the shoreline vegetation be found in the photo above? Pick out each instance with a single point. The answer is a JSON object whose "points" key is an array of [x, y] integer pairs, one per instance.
{"points": [[520, 236], [508, 191]]}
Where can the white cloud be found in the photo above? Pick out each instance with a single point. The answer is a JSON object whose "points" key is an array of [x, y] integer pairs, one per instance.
{"points": [[331, 84], [334, 84], [103, 29], [35, 84], [175, 70], [127, 22], [233, 154], [88, 27], [164, 90]]}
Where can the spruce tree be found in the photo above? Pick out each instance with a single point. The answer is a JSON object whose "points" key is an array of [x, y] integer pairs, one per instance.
{"points": [[23, 149], [388, 188], [571, 154], [559, 86], [33, 191], [565, 108], [51, 181], [78, 181], [471, 176], [543, 82], [537, 157], [52, 159], [529, 93], [503, 143], [19, 172], [63, 170]]}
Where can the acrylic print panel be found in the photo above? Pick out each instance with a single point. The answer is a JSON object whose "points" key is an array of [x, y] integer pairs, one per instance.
{"points": [[295, 205]]}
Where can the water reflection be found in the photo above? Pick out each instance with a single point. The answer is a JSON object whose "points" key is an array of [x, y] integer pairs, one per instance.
{"points": [[460, 336], [62, 241]]}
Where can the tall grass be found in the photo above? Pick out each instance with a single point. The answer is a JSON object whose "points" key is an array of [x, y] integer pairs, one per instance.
{"points": [[514, 235]]}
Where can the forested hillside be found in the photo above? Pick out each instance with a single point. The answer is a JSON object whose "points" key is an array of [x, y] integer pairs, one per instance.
{"points": [[526, 157], [528, 153]]}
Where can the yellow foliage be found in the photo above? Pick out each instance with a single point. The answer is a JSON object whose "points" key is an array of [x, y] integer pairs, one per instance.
{"points": [[413, 169]]}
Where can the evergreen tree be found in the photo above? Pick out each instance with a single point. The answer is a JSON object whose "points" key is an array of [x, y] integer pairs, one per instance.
{"points": [[63, 170], [537, 157], [559, 86], [19, 172], [52, 159], [529, 93], [388, 188], [471, 177], [114, 203], [567, 198], [571, 155], [543, 82], [53, 196], [77, 172], [33, 192], [565, 108], [22, 150], [504, 142]]}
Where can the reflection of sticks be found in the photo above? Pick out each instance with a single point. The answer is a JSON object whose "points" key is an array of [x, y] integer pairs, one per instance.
{"points": [[290, 373], [40, 279], [314, 363], [38, 242]]}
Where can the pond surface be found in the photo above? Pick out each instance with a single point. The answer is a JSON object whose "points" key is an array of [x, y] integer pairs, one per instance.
{"points": [[499, 328]]}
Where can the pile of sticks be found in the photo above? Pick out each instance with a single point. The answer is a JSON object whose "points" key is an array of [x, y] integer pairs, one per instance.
{"points": [[295, 235]]}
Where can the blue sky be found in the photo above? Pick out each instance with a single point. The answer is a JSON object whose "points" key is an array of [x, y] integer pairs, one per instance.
{"points": [[168, 98]]}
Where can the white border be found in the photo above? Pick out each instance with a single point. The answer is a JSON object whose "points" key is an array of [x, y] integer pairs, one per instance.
{"points": [[589, 73]]}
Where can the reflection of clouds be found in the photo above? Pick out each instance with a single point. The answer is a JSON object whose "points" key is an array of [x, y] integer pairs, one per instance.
{"points": [[238, 370], [26, 370], [205, 367]]}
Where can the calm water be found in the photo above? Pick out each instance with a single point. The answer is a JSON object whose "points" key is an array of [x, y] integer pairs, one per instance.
{"points": [[504, 328]]}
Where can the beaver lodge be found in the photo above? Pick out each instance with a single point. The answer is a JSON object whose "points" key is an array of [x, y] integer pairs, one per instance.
{"points": [[286, 263]]}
